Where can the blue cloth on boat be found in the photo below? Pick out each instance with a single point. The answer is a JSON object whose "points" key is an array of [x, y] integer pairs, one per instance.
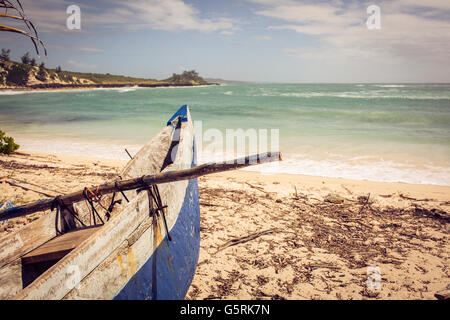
{"points": [[5, 206], [182, 112]]}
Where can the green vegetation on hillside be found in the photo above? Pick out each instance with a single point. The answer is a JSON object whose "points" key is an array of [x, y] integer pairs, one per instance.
{"points": [[187, 77], [27, 73], [18, 74], [42, 73], [105, 78]]}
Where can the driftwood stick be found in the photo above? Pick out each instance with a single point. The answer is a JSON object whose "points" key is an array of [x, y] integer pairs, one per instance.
{"points": [[147, 180], [244, 239], [365, 203], [211, 205], [257, 188], [129, 154], [28, 186], [413, 199], [322, 265]]}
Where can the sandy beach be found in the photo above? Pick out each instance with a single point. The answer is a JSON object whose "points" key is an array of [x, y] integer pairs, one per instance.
{"points": [[282, 236]]}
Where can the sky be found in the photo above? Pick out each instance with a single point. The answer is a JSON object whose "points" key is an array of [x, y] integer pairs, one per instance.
{"points": [[286, 41]]}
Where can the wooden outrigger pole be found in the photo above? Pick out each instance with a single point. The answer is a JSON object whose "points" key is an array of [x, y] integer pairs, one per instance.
{"points": [[140, 182]]}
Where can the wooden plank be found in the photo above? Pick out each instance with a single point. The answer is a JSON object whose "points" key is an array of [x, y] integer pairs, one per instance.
{"points": [[88, 255], [10, 280], [26, 239], [59, 246]]}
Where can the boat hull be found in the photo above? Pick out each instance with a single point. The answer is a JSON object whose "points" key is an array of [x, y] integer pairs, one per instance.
{"points": [[168, 272], [131, 256]]}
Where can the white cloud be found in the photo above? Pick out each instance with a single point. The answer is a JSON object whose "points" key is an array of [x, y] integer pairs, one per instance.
{"points": [[310, 14], [434, 4], [47, 15], [74, 47], [261, 38], [168, 15], [174, 15], [227, 32], [410, 29], [90, 49], [81, 65]]}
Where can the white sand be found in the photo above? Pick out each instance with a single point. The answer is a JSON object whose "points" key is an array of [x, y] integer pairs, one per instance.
{"points": [[287, 244]]}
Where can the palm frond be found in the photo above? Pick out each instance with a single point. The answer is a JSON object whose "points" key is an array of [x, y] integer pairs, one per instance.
{"points": [[5, 15], [32, 34]]}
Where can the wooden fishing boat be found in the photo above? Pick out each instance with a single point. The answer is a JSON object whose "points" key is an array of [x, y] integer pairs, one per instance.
{"points": [[148, 249]]}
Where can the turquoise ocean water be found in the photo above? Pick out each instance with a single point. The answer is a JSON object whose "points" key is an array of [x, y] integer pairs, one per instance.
{"points": [[377, 132]]}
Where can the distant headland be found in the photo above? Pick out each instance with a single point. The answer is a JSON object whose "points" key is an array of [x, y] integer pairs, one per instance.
{"points": [[28, 75]]}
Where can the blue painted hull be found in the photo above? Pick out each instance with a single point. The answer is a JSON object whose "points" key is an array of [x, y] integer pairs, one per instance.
{"points": [[168, 272]]}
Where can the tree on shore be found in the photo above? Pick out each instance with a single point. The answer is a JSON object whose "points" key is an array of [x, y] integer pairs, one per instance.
{"points": [[42, 73], [5, 54], [19, 74], [33, 62], [186, 77], [26, 58], [58, 69]]}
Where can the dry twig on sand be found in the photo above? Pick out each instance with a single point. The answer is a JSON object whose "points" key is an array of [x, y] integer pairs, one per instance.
{"points": [[364, 204], [258, 188], [250, 237], [28, 186], [413, 199]]}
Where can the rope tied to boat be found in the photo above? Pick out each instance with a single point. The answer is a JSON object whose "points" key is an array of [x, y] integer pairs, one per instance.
{"points": [[118, 189], [91, 199], [111, 206], [154, 197], [94, 197], [60, 206]]}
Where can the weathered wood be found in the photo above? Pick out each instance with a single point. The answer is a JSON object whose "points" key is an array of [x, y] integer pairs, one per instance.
{"points": [[59, 246], [89, 254], [10, 280], [107, 279], [126, 228], [136, 183], [442, 295], [29, 237]]}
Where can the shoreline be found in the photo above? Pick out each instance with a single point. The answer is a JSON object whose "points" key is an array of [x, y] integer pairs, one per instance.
{"points": [[395, 172], [300, 237], [59, 86], [341, 185]]}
